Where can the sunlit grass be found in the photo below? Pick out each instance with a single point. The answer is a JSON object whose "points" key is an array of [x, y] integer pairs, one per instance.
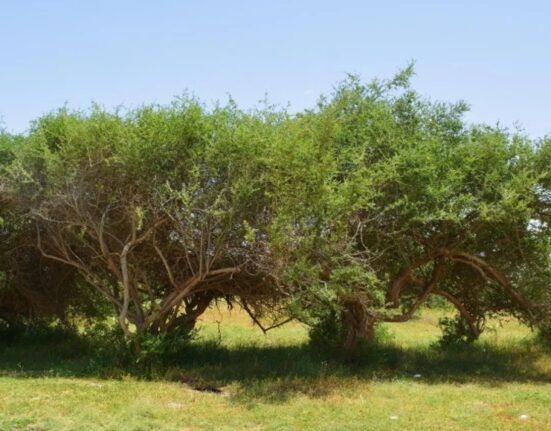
{"points": [[276, 382]]}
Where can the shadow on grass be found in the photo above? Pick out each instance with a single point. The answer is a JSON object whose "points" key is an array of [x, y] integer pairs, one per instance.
{"points": [[273, 374]]}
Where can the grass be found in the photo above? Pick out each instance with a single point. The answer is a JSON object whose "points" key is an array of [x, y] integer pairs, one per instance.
{"points": [[276, 382]]}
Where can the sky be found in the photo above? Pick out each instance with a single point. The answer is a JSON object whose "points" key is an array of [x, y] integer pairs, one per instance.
{"points": [[496, 55]]}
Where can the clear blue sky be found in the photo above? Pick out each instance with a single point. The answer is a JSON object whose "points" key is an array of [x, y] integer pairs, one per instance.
{"points": [[494, 54]]}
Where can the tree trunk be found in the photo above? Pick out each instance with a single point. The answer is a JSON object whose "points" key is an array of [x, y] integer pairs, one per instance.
{"points": [[361, 325]]}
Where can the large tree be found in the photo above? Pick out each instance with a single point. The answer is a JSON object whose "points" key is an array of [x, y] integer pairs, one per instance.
{"points": [[352, 213], [405, 201], [154, 210]]}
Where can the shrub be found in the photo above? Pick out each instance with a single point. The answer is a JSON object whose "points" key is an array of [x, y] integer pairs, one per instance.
{"points": [[330, 334], [544, 332], [456, 331]]}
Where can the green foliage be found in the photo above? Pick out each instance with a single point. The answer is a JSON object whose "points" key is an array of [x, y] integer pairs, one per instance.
{"points": [[12, 333], [110, 348], [329, 332], [455, 332], [412, 194], [165, 349], [544, 332], [353, 213]]}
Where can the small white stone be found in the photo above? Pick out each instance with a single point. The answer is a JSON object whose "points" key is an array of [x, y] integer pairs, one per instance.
{"points": [[393, 418], [523, 417], [417, 376]]}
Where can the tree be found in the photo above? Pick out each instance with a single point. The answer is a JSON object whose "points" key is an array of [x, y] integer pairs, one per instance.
{"points": [[32, 289], [161, 211], [343, 216], [415, 203]]}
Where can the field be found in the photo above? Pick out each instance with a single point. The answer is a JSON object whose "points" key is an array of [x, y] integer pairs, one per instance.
{"points": [[234, 378]]}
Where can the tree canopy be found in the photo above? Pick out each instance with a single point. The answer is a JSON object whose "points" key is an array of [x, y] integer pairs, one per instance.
{"points": [[352, 213]]}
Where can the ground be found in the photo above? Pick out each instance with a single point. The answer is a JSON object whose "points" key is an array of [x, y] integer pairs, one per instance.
{"points": [[237, 378]]}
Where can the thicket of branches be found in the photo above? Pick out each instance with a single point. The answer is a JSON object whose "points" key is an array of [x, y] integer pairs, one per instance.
{"points": [[353, 213]]}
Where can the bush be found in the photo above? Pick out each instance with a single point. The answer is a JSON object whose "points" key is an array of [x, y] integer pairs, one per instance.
{"points": [[37, 333], [111, 347], [330, 333], [544, 332], [455, 332], [164, 349]]}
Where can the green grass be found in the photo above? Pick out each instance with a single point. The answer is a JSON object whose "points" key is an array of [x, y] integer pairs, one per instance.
{"points": [[276, 382]]}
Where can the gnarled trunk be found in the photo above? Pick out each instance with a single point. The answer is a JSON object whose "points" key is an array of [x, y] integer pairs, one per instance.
{"points": [[360, 323]]}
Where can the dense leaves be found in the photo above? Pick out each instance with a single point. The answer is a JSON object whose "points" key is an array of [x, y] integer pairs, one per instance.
{"points": [[420, 204], [352, 213]]}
